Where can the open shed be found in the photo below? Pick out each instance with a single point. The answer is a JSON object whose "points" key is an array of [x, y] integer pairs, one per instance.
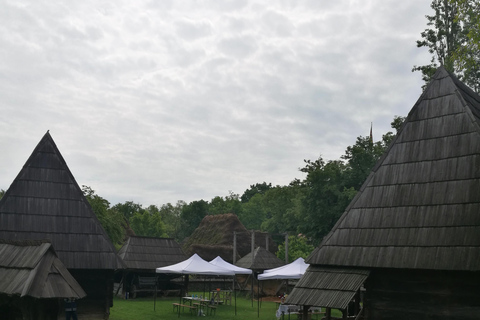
{"points": [[33, 281], [411, 236], [142, 255]]}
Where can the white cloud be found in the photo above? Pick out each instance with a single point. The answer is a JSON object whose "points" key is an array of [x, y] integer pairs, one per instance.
{"points": [[156, 101]]}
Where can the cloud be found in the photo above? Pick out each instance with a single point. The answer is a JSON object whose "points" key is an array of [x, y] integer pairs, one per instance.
{"points": [[157, 101]]}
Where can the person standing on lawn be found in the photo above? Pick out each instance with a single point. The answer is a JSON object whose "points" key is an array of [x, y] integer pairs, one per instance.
{"points": [[70, 309]]}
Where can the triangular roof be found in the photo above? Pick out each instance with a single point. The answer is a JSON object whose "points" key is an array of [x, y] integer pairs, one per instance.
{"points": [[293, 270], [219, 262], [262, 260], [45, 202], [31, 268], [146, 253], [419, 208], [195, 265]]}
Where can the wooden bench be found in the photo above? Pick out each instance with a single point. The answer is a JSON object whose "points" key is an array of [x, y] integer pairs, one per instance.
{"points": [[176, 306], [211, 309]]}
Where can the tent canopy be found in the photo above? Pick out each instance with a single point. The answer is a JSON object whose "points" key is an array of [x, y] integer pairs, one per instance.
{"points": [[219, 262], [195, 265], [294, 270]]}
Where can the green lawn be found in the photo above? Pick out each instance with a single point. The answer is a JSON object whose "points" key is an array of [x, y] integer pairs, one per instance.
{"points": [[142, 309]]}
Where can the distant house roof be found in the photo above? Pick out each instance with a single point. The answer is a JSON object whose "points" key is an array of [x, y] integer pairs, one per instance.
{"points": [[45, 202], [419, 208], [147, 253], [31, 268], [262, 260]]}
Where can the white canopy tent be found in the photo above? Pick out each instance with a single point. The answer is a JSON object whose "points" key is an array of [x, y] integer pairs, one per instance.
{"points": [[294, 270], [196, 265], [219, 262]]}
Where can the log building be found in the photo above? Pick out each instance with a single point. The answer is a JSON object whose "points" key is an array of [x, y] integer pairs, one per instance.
{"points": [[411, 236]]}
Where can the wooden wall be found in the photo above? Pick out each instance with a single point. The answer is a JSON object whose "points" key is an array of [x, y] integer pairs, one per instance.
{"points": [[411, 294], [98, 284]]}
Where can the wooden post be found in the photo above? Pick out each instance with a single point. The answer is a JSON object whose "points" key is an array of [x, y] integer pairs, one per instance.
{"points": [[286, 248], [253, 247], [344, 314], [305, 312], [234, 247], [266, 241], [328, 314]]}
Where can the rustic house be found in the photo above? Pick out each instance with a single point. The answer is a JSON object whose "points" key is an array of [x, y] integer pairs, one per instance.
{"points": [[411, 236], [215, 237], [142, 255], [45, 202], [33, 281]]}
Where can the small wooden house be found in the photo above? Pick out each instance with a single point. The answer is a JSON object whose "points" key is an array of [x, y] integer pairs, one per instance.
{"points": [[45, 202], [411, 236], [142, 255], [33, 281]]}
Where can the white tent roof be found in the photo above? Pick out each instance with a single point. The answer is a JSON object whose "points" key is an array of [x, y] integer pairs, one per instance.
{"points": [[294, 270], [218, 261], [195, 265]]}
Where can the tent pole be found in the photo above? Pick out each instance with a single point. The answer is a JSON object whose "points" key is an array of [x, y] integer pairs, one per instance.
{"points": [[258, 299], [235, 293], [155, 296]]}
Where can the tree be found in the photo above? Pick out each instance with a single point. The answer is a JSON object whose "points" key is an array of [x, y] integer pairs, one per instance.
{"points": [[128, 209], [148, 222], [298, 247], [448, 36], [254, 189], [191, 216], [171, 217], [111, 220], [467, 56]]}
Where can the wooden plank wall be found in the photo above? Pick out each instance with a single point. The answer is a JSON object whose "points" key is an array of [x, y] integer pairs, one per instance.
{"points": [[422, 294]]}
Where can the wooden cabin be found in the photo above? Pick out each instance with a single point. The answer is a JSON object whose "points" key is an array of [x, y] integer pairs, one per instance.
{"points": [[45, 202], [410, 239], [34, 281], [142, 255]]}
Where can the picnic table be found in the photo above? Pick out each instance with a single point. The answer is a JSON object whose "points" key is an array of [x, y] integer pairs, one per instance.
{"points": [[221, 296]]}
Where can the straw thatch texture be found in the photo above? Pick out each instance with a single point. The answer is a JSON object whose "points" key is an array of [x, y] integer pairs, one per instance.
{"points": [[31, 268], [214, 237], [419, 207], [45, 202], [262, 260], [145, 253], [327, 287]]}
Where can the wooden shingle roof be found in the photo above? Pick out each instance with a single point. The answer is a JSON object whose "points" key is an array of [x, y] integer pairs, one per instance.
{"points": [[31, 268], [420, 206], [327, 287], [45, 202], [145, 253], [262, 260]]}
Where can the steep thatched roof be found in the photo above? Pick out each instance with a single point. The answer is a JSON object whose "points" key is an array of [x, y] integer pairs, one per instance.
{"points": [[262, 260], [419, 208], [45, 202], [145, 253], [214, 237], [31, 268]]}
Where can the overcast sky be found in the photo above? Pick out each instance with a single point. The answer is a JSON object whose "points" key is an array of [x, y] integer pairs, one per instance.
{"points": [[160, 101]]}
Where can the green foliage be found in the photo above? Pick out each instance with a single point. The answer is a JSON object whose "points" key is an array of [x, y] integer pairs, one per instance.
{"points": [[148, 223], [171, 217], [128, 209], [298, 247], [191, 216], [111, 220], [229, 204], [258, 188], [2, 193], [452, 37]]}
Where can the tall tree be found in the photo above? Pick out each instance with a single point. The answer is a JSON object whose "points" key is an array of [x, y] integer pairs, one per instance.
{"points": [[254, 189], [191, 216], [111, 220], [447, 36]]}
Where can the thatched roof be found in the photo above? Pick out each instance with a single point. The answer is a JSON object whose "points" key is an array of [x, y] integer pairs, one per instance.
{"points": [[214, 237], [262, 260], [419, 208], [145, 253], [45, 202], [31, 268]]}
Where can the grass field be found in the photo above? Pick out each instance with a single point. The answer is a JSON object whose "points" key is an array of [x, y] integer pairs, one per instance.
{"points": [[142, 309]]}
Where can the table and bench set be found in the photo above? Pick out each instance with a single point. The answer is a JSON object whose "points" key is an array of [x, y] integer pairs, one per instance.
{"points": [[196, 305]]}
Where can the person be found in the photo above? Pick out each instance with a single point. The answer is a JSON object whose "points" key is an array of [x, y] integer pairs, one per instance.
{"points": [[70, 309]]}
